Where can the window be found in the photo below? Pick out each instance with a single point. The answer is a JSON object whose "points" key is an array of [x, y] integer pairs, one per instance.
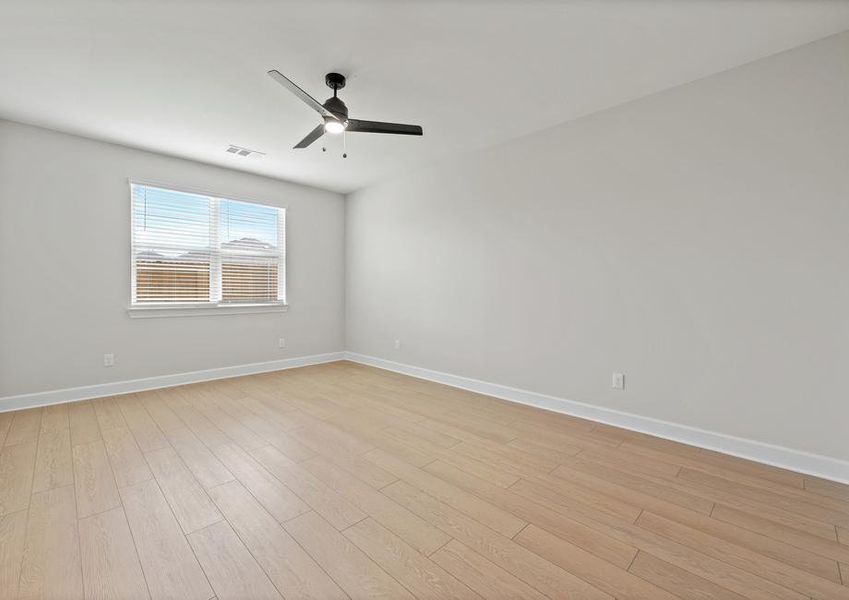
{"points": [[202, 251]]}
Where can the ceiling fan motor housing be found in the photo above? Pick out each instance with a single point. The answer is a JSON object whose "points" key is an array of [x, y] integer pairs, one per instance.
{"points": [[336, 106]]}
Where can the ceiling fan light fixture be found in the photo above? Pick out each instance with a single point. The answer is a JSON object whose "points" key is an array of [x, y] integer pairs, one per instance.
{"points": [[333, 126]]}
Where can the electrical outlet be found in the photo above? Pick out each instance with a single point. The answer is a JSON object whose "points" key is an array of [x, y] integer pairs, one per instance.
{"points": [[397, 344], [281, 343], [108, 360], [618, 381]]}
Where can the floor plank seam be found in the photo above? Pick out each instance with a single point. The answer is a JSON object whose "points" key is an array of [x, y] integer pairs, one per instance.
{"points": [[247, 547], [725, 558], [633, 560], [29, 514], [79, 542], [358, 521], [136, 547], [432, 552], [315, 560], [525, 526], [185, 536], [380, 489], [77, 515]]}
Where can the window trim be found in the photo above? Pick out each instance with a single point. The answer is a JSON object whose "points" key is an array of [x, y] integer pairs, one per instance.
{"points": [[203, 310], [188, 309]]}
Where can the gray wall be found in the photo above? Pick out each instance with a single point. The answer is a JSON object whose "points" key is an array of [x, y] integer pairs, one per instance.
{"points": [[65, 273], [697, 240]]}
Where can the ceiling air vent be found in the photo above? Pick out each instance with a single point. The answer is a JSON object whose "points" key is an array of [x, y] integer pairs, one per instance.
{"points": [[239, 151]]}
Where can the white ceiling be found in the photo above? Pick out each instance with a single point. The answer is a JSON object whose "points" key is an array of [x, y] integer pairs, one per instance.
{"points": [[188, 77]]}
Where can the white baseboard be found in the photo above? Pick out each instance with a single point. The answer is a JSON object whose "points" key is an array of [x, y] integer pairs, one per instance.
{"points": [[149, 383], [778, 456], [786, 458]]}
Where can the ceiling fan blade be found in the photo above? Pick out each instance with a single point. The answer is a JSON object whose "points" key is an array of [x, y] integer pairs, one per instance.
{"points": [[308, 100], [311, 137], [380, 127]]}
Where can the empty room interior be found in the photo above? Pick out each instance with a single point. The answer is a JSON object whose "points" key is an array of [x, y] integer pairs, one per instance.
{"points": [[427, 299]]}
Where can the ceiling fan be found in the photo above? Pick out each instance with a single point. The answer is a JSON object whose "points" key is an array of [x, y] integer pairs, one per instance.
{"points": [[334, 113]]}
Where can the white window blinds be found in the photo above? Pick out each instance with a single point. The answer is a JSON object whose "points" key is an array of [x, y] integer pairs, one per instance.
{"points": [[192, 249]]}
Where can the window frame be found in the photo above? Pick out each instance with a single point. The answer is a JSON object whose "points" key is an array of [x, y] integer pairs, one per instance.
{"points": [[184, 309]]}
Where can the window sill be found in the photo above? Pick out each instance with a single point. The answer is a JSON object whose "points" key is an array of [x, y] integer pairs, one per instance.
{"points": [[148, 312]]}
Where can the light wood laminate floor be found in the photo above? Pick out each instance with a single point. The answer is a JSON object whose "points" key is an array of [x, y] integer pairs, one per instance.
{"points": [[342, 481]]}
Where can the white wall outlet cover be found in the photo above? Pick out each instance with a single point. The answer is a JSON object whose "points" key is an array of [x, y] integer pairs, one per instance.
{"points": [[618, 381], [397, 344], [108, 360], [281, 343]]}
